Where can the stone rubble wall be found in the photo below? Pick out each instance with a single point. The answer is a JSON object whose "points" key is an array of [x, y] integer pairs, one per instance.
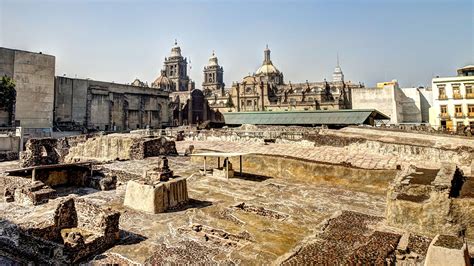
{"points": [[8, 156], [45, 243], [120, 147], [309, 171], [462, 156], [432, 208]]}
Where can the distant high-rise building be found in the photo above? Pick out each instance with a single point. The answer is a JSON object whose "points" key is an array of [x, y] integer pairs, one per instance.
{"points": [[337, 75]]}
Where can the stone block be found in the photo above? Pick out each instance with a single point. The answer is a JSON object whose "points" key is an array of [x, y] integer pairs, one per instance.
{"points": [[156, 197], [447, 250]]}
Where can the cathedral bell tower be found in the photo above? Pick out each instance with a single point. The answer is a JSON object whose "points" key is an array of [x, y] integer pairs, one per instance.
{"points": [[176, 69], [213, 77]]}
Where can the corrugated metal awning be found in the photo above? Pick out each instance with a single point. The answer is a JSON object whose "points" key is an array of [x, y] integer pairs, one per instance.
{"points": [[336, 117]]}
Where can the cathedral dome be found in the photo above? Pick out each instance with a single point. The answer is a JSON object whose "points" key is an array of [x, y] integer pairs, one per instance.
{"points": [[162, 81], [213, 60], [267, 68], [175, 50]]}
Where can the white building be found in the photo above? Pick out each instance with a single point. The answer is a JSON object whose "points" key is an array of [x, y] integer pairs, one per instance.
{"points": [[453, 100], [402, 105]]}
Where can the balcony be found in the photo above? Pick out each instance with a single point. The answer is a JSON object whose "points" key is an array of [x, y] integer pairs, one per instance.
{"points": [[444, 116], [469, 95], [457, 96], [459, 115], [442, 97], [470, 115]]}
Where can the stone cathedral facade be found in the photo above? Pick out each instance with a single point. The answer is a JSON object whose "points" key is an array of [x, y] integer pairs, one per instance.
{"points": [[266, 90]]}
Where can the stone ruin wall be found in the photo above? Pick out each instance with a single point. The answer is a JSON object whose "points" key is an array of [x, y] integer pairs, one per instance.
{"points": [[47, 242], [375, 181], [46, 151], [120, 147], [431, 208], [461, 156]]}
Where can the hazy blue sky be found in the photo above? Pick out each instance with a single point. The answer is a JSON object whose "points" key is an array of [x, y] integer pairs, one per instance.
{"points": [[409, 40]]}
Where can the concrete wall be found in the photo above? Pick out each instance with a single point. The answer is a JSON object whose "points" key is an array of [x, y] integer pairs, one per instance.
{"points": [[9, 143], [402, 105], [33, 74], [3, 118], [411, 105], [382, 99], [105, 105], [426, 99]]}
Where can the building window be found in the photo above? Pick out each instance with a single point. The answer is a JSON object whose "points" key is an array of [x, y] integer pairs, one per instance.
{"points": [[470, 109], [469, 91], [444, 112], [442, 93], [458, 110], [456, 92]]}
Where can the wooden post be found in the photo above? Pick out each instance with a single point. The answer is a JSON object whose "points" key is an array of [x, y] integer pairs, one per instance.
{"points": [[227, 168], [205, 166], [218, 162], [240, 165]]}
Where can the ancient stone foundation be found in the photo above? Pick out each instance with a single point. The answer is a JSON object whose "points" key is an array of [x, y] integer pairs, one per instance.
{"points": [[156, 198], [431, 201], [157, 191], [447, 250], [36, 185], [8, 156], [75, 230], [121, 147]]}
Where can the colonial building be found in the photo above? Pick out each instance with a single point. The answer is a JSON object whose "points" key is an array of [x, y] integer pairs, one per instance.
{"points": [[266, 90], [98, 105], [174, 76], [453, 100], [188, 105], [213, 77]]}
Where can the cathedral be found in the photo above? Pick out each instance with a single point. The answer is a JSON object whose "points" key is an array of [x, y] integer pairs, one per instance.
{"points": [[266, 90], [187, 104]]}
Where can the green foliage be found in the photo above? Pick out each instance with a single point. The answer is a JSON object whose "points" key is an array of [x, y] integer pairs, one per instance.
{"points": [[7, 93], [229, 102]]}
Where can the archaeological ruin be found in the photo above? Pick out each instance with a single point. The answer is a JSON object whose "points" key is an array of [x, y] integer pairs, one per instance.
{"points": [[265, 195]]}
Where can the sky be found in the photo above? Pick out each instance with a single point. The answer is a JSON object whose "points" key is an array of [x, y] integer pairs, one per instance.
{"points": [[377, 40]]}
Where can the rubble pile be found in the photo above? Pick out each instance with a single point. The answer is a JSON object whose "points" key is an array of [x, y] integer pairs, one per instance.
{"points": [[75, 230]]}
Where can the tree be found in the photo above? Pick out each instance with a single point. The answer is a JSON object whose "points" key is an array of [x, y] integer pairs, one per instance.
{"points": [[8, 96], [229, 102]]}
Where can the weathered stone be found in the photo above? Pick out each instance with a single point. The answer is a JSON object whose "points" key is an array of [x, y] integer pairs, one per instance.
{"points": [[121, 147], [447, 250], [429, 202], [156, 198]]}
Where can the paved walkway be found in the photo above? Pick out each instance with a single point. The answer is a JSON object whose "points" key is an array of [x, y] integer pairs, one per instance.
{"points": [[362, 159]]}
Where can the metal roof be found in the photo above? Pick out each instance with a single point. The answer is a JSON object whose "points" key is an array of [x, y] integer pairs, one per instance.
{"points": [[220, 154], [320, 117]]}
